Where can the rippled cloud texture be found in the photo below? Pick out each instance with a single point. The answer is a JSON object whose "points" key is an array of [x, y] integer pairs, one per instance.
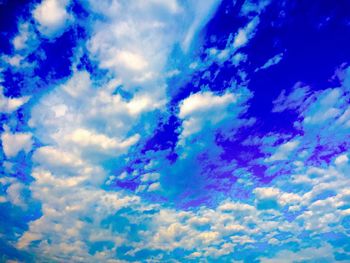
{"points": [[174, 131]]}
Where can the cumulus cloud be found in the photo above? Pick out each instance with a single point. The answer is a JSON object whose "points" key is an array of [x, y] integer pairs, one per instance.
{"points": [[14, 192], [8, 104], [342, 159], [245, 34], [25, 37], [79, 118], [206, 109], [132, 46], [13, 143], [52, 17], [283, 151]]}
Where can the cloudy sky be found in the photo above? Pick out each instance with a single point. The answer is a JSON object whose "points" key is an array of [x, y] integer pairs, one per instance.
{"points": [[174, 131]]}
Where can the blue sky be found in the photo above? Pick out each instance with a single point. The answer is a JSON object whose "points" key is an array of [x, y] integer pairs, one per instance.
{"points": [[174, 131]]}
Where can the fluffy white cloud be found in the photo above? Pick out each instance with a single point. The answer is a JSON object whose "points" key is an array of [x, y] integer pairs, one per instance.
{"points": [[87, 139], [14, 61], [78, 113], [52, 17], [13, 143], [205, 108], [50, 156], [20, 42], [66, 202], [13, 193], [8, 104], [135, 43], [342, 159], [245, 34]]}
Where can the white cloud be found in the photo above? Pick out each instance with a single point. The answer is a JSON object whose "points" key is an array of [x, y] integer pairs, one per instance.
{"points": [[14, 61], [8, 104], [130, 60], [283, 151], [202, 12], [83, 121], [13, 143], [153, 187], [135, 43], [78, 85], [342, 159], [50, 156], [21, 40], [245, 34], [254, 7], [85, 138], [235, 207], [266, 193], [150, 177], [66, 201], [78, 114], [203, 102], [204, 108], [323, 253], [52, 17], [344, 119], [13, 191], [272, 61], [299, 98], [14, 194], [326, 107]]}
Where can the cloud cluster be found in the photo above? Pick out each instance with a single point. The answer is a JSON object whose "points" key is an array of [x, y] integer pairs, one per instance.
{"points": [[105, 197], [232, 229]]}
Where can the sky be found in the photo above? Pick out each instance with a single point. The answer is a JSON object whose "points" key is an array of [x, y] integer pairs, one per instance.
{"points": [[174, 131]]}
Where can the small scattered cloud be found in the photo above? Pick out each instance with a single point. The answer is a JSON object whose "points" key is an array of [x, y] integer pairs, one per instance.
{"points": [[245, 34], [271, 62], [13, 143], [8, 104], [283, 151]]}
